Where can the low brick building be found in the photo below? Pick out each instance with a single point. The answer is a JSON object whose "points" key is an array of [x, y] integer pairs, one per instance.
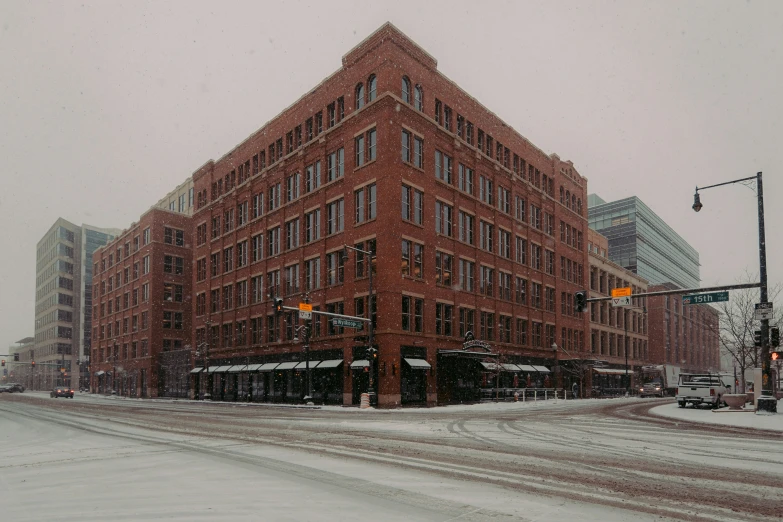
{"points": [[615, 331], [475, 229], [142, 308], [684, 335]]}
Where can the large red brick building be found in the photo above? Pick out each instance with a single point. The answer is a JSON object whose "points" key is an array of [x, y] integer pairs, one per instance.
{"points": [[475, 229], [683, 335], [142, 309]]}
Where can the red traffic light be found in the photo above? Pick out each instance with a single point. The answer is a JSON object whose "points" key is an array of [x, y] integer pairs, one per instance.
{"points": [[3, 362]]}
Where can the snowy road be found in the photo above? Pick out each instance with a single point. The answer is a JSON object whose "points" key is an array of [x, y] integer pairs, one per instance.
{"points": [[94, 458]]}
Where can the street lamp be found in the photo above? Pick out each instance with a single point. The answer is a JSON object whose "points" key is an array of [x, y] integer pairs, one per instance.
{"points": [[370, 329], [305, 329], [556, 368], [766, 402]]}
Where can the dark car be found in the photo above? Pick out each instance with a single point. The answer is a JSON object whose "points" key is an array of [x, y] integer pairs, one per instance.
{"points": [[5, 388], [15, 387], [61, 391]]}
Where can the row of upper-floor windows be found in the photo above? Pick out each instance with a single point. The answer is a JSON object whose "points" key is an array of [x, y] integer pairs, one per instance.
{"points": [[169, 320], [171, 236], [132, 350], [53, 300], [171, 265]]}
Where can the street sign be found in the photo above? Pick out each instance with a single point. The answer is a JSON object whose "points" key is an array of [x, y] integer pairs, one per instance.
{"points": [[711, 297], [621, 292], [305, 307], [347, 323], [303, 314], [763, 311], [621, 301]]}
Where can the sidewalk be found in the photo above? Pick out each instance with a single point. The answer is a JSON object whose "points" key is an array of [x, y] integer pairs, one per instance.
{"points": [[708, 416]]}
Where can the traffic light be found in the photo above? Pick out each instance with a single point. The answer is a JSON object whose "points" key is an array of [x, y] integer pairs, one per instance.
{"points": [[16, 357], [580, 301], [774, 336], [33, 363], [3, 363], [757, 338], [278, 305], [372, 353]]}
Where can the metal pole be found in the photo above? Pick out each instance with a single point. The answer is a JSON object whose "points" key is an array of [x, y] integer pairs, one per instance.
{"points": [[370, 328], [767, 401], [625, 341], [308, 324]]}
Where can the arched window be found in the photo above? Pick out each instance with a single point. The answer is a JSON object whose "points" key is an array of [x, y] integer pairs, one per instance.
{"points": [[579, 206], [562, 195], [406, 89], [418, 98], [568, 199], [372, 83], [359, 96]]}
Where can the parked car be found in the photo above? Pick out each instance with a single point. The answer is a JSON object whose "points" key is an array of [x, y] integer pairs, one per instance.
{"points": [[701, 389], [4, 388], [61, 391], [15, 387]]}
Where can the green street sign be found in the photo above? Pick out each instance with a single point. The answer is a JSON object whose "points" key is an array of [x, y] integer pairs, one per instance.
{"points": [[347, 323], [711, 297]]}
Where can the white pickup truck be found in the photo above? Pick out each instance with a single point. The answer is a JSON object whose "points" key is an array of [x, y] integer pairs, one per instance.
{"points": [[701, 389]]}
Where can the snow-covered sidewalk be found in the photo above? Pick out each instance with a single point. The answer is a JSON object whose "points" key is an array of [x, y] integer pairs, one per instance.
{"points": [[723, 418]]}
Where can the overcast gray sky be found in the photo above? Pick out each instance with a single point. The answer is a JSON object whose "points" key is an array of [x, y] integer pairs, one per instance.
{"points": [[106, 106]]}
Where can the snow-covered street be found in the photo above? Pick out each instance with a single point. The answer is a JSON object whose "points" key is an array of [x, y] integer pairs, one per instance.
{"points": [[97, 458]]}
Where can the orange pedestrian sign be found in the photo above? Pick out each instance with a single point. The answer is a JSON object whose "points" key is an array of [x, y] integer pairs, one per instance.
{"points": [[305, 307], [621, 292]]}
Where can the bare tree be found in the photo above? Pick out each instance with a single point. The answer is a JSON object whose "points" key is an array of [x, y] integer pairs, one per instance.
{"points": [[737, 325], [578, 364]]}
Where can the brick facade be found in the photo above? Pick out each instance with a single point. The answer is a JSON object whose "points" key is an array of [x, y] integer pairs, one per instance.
{"points": [[526, 214], [683, 335], [142, 308]]}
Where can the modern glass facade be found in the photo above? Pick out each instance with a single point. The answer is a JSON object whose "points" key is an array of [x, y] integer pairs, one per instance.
{"points": [[642, 242]]}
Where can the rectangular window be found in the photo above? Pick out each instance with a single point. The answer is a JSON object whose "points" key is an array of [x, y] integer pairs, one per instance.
{"points": [[292, 234], [273, 282], [467, 321], [313, 176], [487, 326], [335, 167], [466, 222], [406, 146], [313, 225], [274, 196], [443, 268], [549, 297], [257, 247], [535, 217], [145, 267], [292, 279], [172, 264], [240, 293], [466, 275], [412, 205], [173, 237], [273, 241], [334, 268], [334, 216], [257, 205], [465, 181], [444, 215], [313, 274], [364, 203], [216, 227], [242, 254], [172, 292], [522, 332], [486, 282], [521, 250], [443, 318], [535, 295], [504, 286], [504, 200], [443, 167], [504, 329], [145, 238], [535, 256], [359, 148], [228, 221], [228, 259], [242, 213], [228, 297], [504, 243], [256, 289], [292, 187], [486, 234], [549, 262], [485, 190], [519, 209], [418, 152], [412, 259], [520, 291]]}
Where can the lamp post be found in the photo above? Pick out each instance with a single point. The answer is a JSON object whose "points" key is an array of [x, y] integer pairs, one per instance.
{"points": [[625, 342], [305, 329], [556, 367], [205, 346], [370, 329], [766, 402]]}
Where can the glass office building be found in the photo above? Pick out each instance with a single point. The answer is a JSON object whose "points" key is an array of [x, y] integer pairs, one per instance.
{"points": [[642, 242]]}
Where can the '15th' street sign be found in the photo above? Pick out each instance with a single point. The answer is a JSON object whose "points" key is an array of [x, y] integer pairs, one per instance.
{"points": [[711, 297]]}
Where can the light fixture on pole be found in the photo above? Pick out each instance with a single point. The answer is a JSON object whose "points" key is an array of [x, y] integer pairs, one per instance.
{"points": [[766, 403], [305, 329], [371, 350]]}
